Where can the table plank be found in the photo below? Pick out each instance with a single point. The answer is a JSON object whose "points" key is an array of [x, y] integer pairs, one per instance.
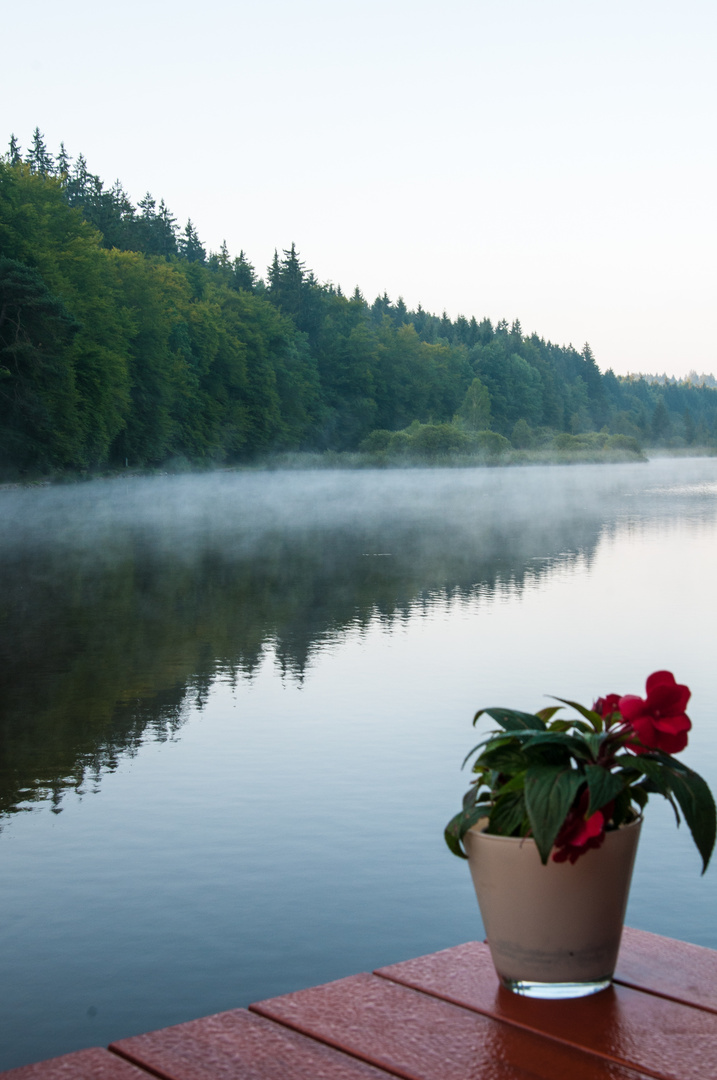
{"points": [[418, 1037], [239, 1045], [92, 1064], [661, 1037], [672, 969]]}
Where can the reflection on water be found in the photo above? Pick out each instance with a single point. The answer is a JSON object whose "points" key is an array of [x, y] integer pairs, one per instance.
{"points": [[268, 679], [122, 601]]}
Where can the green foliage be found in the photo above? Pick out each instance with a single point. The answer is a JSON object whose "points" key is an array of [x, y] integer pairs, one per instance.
{"points": [[625, 443], [537, 773], [166, 362], [439, 440], [550, 791], [38, 394], [474, 412], [435, 443], [660, 425], [491, 444], [521, 435]]}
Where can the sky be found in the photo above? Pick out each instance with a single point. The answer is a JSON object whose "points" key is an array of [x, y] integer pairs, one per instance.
{"points": [[549, 161]]}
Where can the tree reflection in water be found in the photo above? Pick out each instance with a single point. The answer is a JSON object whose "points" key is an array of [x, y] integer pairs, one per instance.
{"points": [[123, 600]]}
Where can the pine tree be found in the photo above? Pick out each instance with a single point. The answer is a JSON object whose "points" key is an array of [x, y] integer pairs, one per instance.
{"points": [[14, 155], [147, 205], [190, 246], [79, 183], [660, 425], [165, 232], [38, 158], [400, 312], [63, 163], [380, 307], [244, 276], [286, 281], [273, 273], [485, 331], [461, 331]]}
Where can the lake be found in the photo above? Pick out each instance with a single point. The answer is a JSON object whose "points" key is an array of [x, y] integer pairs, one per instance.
{"points": [[235, 705]]}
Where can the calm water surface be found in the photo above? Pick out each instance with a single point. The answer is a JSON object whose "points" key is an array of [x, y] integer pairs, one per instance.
{"points": [[234, 709]]}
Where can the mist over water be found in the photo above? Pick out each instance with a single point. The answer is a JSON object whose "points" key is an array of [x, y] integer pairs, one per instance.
{"points": [[234, 708]]}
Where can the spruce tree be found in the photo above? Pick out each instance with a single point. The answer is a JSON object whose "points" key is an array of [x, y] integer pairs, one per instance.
{"points": [[63, 163], [660, 425], [14, 155], [244, 276], [190, 246], [165, 232], [400, 312], [79, 183], [273, 273], [38, 158]]}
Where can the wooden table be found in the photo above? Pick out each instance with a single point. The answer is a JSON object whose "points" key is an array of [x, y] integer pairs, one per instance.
{"points": [[441, 1017]]}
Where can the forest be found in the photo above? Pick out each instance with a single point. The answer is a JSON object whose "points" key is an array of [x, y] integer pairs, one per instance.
{"points": [[125, 343]]}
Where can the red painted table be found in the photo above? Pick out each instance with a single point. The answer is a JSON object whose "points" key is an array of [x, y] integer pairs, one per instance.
{"points": [[441, 1017]]}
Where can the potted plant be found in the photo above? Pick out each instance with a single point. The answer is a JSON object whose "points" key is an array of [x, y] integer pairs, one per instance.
{"points": [[550, 826]]}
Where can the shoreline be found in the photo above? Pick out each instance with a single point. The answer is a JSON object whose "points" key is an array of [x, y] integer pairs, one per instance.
{"points": [[290, 461]]}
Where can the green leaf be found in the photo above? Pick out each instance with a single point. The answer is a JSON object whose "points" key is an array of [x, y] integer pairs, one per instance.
{"points": [[595, 741], [630, 775], [549, 793], [549, 712], [510, 720], [577, 745], [503, 758], [471, 796], [472, 752], [594, 719], [568, 725], [603, 786], [495, 739], [623, 806], [655, 771], [508, 814], [671, 777], [516, 783], [698, 806], [459, 825], [657, 780]]}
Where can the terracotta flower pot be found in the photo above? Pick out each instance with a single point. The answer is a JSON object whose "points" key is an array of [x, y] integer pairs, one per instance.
{"points": [[554, 930]]}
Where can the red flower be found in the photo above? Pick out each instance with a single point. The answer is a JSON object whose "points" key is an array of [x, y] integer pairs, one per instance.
{"points": [[607, 705], [579, 834], [659, 720]]}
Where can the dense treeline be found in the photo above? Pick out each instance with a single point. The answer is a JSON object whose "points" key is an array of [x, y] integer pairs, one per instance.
{"points": [[123, 342]]}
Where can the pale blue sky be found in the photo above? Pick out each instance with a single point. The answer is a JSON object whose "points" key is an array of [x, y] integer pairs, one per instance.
{"points": [[552, 161]]}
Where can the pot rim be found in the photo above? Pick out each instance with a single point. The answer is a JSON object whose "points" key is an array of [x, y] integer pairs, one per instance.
{"points": [[479, 830]]}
